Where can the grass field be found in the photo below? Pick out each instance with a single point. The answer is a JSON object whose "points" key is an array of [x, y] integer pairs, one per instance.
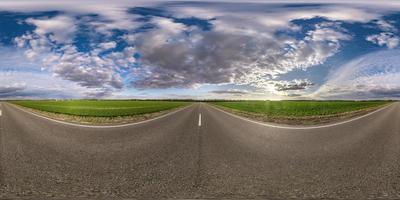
{"points": [[103, 108], [298, 109]]}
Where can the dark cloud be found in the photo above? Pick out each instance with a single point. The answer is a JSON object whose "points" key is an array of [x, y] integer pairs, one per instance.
{"points": [[101, 93], [295, 85], [384, 92], [186, 63], [294, 95], [182, 44], [23, 93], [232, 92], [221, 57], [11, 89]]}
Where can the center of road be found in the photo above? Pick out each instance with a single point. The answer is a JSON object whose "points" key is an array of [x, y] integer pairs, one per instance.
{"points": [[199, 119]]}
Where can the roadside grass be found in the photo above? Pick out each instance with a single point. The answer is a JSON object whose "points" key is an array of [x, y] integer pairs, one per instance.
{"points": [[300, 112], [100, 108]]}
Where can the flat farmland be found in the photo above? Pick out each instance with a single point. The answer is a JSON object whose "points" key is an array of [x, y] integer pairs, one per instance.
{"points": [[100, 108], [300, 112]]}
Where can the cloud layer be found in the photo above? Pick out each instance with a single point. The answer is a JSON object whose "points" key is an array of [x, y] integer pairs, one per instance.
{"points": [[104, 50], [369, 76]]}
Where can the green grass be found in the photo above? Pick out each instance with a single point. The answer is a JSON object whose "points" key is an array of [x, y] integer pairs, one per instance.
{"points": [[101, 108], [299, 108]]}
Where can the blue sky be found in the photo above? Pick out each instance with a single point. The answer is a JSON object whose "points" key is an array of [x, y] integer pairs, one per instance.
{"points": [[200, 50]]}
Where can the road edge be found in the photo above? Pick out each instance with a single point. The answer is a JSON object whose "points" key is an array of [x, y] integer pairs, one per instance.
{"points": [[272, 125], [98, 126]]}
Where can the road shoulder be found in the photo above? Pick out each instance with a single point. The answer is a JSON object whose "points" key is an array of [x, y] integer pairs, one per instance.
{"points": [[100, 121], [301, 121]]}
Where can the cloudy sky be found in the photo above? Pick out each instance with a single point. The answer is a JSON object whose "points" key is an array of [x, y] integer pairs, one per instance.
{"points": [[197, 49]]}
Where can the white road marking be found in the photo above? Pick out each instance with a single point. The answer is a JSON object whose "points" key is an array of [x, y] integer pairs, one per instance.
{"points": [[199, 119], [300, 127], [100, 126], [0, 113]]}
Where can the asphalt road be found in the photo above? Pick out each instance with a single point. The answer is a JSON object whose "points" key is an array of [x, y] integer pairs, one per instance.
{"points": [[179, 156]]}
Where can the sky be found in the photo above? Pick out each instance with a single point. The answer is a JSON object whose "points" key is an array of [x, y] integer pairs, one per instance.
{"points": [[199, 49]]}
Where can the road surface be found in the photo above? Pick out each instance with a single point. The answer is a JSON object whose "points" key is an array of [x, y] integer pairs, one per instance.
{"points": [[199, 152]]}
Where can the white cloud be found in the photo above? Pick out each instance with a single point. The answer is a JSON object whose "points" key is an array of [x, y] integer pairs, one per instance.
{"points": [[243, 47], [167, 32], [293, 85], [88, 69], [388, 37], [61, 28], [114, 16], [129, 38], [275, 17], [107, 45], [35, 45], [123, 59], [369, 76], [28, 85], [384, 39], [320, 44], [386, 26], [251, 57], [168, 25], [325, 32]]}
